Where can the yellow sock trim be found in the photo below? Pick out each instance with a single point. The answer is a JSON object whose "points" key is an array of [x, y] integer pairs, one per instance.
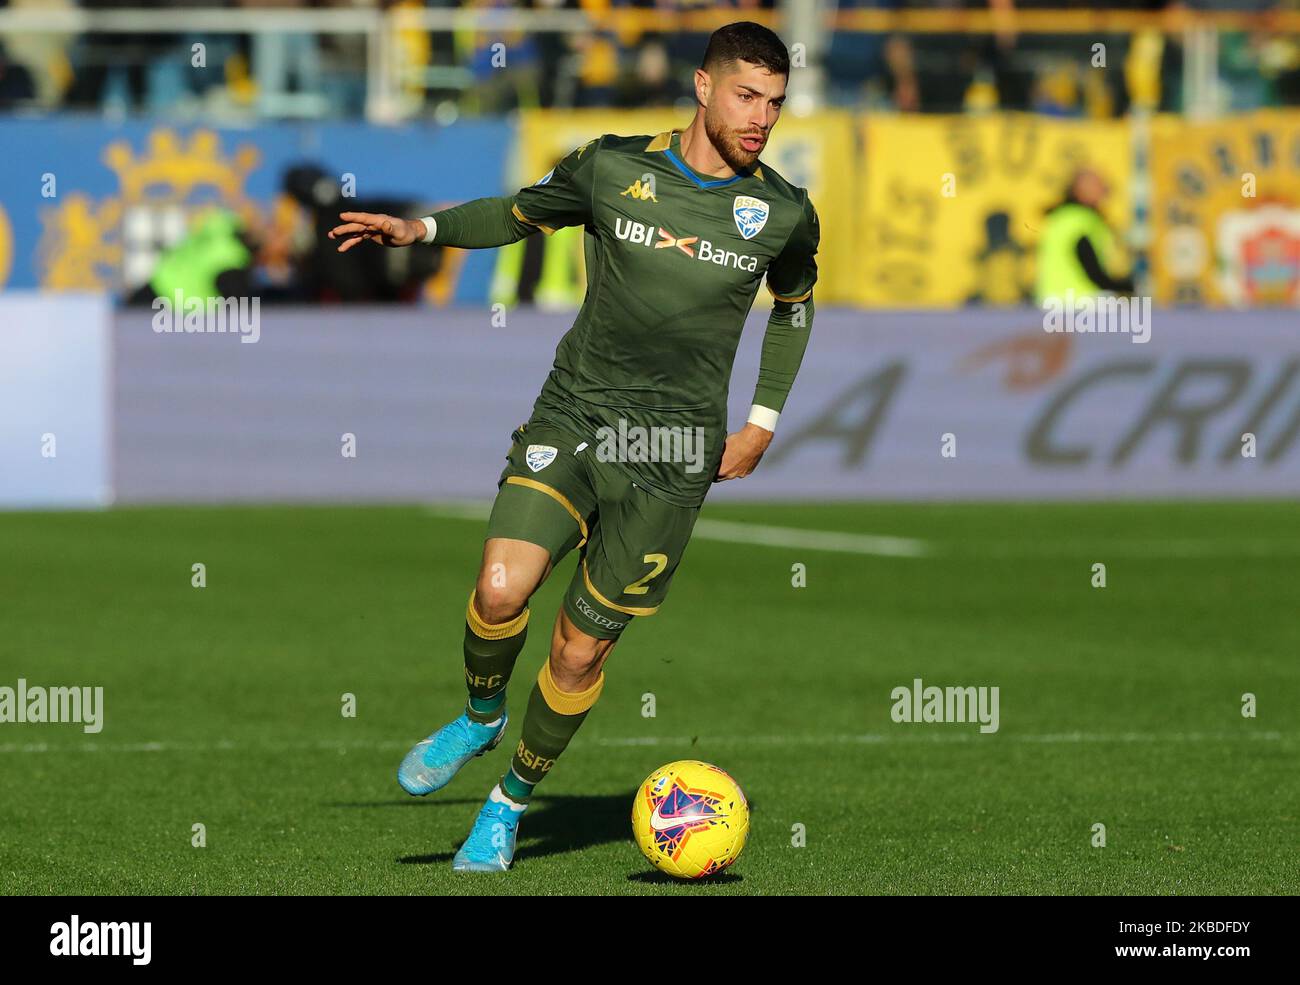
{"points": [[488, 631], [567, 702]]}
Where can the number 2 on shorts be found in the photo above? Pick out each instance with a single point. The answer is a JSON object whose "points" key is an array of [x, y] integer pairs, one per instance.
{"points": [[639, 587]]}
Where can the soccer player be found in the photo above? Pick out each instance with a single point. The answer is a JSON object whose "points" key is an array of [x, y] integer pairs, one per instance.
{"points": [[681, 230]]}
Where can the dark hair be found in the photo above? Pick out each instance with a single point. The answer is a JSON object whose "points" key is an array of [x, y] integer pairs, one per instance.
{"points": [[746, 41]]}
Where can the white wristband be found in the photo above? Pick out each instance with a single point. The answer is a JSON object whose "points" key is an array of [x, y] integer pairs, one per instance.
{"points": [[430, 228], [764, 417]]}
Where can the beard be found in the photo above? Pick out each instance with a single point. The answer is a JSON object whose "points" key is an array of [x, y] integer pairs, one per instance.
{"points": [[727, 143]]}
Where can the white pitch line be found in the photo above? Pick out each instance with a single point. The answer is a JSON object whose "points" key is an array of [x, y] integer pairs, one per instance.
{"points": [[943, 737], [763, 535], [222, 745], [801, 538], [901, 736], [809, 540], [1139, 549], [468, 509]]}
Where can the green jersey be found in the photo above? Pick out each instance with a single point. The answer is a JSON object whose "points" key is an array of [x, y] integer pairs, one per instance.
{"points": [[674, 260]]}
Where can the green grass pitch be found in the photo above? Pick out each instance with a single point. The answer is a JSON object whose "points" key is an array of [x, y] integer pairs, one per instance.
{"points": [[1118, 705]]}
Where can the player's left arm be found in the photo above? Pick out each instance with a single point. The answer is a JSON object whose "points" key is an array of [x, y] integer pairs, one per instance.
{"points": [[562, 198], [790, 278]]}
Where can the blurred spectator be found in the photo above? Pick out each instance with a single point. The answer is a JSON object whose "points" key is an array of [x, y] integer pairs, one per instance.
{"points": [[363, 274], [1056, 90], [213, 260], [903, 86], [546, 271], [16, 88], [1077, 247], [286, 66], [503, 66], [654, 80], [1255, 69], [44, 55], [110, 68], [598, 68], [624, 63]]}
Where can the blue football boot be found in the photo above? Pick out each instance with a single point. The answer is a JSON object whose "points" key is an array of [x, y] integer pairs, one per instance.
{"points": [[435, 760], [490, 846]]}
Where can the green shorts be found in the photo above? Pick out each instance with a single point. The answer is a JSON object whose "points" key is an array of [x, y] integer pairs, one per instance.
{"points": [[557, 494]]}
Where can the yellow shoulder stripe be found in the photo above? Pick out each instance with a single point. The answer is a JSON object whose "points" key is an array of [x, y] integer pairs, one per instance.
{"points": [[523, 218]]}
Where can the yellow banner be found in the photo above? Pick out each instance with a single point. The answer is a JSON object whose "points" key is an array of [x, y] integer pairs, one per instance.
{"points": [[950, 206], [816, 152], [1226, 210]]}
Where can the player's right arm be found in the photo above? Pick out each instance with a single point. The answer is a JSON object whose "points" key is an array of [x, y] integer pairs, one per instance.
{"points": [[562, 198]]}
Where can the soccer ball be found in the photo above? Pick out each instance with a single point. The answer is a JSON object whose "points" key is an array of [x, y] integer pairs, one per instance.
{"points": [[690, 819]]}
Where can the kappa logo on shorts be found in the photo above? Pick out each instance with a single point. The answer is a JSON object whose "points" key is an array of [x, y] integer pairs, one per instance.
{"points": [[585, 608], [540, 456]]}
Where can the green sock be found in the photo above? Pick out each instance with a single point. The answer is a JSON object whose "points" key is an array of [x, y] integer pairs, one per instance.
{"points": [[487, 709], [515, 788], [490, 654], [552, 719]]}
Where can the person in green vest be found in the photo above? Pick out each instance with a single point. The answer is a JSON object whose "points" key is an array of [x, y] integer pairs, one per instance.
{"points": [[1077, 245], [214, 260], [542, 270]]}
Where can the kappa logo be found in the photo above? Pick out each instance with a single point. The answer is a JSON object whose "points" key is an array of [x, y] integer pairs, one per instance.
{"points": [[641, 192], [585, 608], [750, 214], [539, 456]]}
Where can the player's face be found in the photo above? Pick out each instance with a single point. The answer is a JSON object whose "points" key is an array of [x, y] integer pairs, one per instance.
{"points": [[743, 106]]}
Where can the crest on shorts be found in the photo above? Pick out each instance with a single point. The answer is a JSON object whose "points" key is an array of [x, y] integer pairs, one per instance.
{"points": [[539, 456], [750, 214]]}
